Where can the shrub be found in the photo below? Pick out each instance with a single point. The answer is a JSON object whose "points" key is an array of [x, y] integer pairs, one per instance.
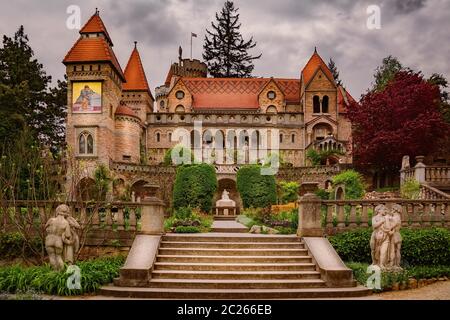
{"points": [[419, 247], [187, 229], [181, 152], [323, 194], [314, 157], [94, 273], [288, 191], [353, 182], [195, 186], [410, 189], [256, 190], [13, 245]]}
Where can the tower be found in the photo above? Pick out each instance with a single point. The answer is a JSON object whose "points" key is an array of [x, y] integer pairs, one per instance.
{"points": [[95, 81]]}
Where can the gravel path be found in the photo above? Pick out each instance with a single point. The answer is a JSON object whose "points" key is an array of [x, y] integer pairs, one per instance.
{"points": [[437, 291]]}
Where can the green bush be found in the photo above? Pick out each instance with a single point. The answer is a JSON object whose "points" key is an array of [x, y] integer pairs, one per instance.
{"points": [[288, 191], [187, 229], [180, 151], [195, 186], [256, 190], [13, 245], [401, 277], [323, 194], [410, 189], [286, 222], [419, 247], [353, 182], [94, 273]]}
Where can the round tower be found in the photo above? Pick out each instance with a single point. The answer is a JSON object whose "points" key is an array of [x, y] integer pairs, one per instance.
{"points": [[127, 135]]}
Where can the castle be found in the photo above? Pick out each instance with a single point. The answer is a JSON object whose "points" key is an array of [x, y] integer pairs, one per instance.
{"points": [[113, 117]]}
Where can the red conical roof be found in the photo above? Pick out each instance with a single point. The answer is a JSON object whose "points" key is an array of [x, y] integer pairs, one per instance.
{"points": [[135, 74], [95, 25], [311, 67], [125, 110]]}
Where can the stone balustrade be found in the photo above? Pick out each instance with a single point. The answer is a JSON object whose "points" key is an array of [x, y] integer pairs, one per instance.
{"points": [[439, 175], [427, 192], [343, 215]]}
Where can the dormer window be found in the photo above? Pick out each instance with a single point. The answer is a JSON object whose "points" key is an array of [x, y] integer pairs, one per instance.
{"points": [[271, 95], [179, 94]]}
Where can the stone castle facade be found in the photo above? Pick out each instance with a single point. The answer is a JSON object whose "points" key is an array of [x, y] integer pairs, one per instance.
{"points": [[114, 119]]}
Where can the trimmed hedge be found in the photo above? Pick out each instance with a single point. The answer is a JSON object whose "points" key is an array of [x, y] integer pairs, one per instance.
{"points": [[420, 247], [195, 186], [94, 273], [353, 182], [256, 190]]}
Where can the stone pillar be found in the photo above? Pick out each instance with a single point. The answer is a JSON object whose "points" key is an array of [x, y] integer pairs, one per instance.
{"points": [[309, 217], [419, 169], [152, 215]]}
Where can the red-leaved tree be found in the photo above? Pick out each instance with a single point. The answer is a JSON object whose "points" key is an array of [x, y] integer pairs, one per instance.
{"points": [[403, 119]]}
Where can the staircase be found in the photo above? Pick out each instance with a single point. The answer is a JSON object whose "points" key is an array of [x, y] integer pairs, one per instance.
{"points": [[233, 266]]}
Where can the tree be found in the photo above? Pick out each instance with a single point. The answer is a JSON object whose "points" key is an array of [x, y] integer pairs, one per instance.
{"points": [[225, 51], [402, 119], [335, 72], [195, 186], [386, 72], [25, 96], [256, 190], [442, 83]]}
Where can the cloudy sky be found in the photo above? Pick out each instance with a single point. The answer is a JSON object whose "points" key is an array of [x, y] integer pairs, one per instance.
{"points": [[286, 31]]}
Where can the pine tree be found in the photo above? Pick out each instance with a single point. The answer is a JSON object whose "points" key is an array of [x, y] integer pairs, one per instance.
{"points": [[386, 72], [334, 72], [25, 96], [225, 51]]}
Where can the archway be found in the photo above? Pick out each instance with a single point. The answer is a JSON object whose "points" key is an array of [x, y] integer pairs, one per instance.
{"points": [[138, 190]]}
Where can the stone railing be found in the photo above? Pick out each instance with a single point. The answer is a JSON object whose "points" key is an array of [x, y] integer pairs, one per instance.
{"points": [[439, 175], [103, 223], [152, 169], [225, 211], [427, 192], [334, 216]]}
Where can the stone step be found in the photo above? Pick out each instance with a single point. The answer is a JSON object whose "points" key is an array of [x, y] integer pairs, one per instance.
{"points": [[234, 275], [233, 259], [235, 266], [236, 284], [218, 237], [232, 252], [225, 218], [249, 294], [229, 230], [231, 245]]}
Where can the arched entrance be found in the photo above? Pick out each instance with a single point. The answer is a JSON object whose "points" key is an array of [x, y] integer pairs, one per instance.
{"points": [[86, 190], [138, 189], [230, 185]]}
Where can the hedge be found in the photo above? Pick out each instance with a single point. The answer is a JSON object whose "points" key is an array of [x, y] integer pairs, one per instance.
{"points": [[420, 247], [256, 190], [353, 182], [195, 186]]}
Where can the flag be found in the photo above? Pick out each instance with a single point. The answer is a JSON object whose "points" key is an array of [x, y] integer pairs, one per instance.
{"points": [[193, 35]]}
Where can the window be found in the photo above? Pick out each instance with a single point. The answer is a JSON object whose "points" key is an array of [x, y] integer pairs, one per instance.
{"points": [[161, 103], [110, 111], [281, 138], [85, 143], [74, 68], [126, 158], [325, 104], [179, 94], [316, 104], [271, 95], [271, 109], [170, 136], [99, 67], [158, 137], [293, 137], [179, 109], [90, 67]]}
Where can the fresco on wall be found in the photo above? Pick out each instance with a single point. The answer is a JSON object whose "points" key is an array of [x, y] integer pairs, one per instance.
{"points": [[86, 97]]}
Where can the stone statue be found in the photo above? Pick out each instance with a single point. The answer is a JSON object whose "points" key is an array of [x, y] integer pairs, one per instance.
{"points": [[62, 240], [396, 238], [405, 163], [385, 241], [225, 194]]}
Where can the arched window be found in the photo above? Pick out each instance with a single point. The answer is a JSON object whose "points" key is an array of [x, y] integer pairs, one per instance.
{"points": [[179, 109], [316, 104], [85, 143], [170, 136], [158, 137], [271, 109], [293, 137], [325, 104], [281, 138]]}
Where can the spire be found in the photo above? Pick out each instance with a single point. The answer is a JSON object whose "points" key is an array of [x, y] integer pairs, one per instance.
{"points": [[135, 74], [95, 25], [312, 65]]}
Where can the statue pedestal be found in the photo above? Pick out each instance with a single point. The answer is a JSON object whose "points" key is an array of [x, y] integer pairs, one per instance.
{"points": [[225, 205]]}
